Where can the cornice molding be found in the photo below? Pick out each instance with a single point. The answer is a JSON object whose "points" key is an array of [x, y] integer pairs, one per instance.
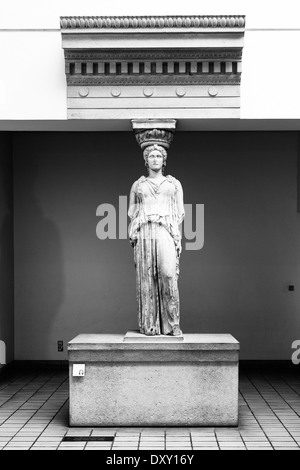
{"points": [[152, 22], [153, 51]]}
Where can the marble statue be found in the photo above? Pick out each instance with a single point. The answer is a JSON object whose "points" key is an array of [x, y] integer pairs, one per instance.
{"points": [[156, 210]]}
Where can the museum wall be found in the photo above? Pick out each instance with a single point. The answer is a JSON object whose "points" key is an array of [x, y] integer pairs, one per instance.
{"points": [[6, 248], [68, 281]]}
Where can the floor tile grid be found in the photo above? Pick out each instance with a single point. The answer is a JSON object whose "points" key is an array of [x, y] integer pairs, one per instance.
{"points": [[178, 438], [126, 439], [157, 440], [53, 433], [9, 384], [256, 393], [12, 396], [261, 393], [191, 441], [288, 411], [23, 380], [112, 432], [290, 396], [8, 422], [241, 417], [295, 387], [216, 438], [279, 405], [31, 429], [229, 439], [152, 438], [243, 394], [139, 442], [44, 383], [57, 427], [293, 381]]}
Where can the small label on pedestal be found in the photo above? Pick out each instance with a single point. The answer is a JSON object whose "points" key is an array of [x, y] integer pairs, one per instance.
{"points": [[78, 370]]}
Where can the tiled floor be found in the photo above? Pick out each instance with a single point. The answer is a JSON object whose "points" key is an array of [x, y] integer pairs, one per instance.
{"points": [[34, 415]]}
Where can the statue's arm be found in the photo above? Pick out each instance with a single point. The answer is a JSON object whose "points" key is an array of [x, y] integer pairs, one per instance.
{"points": [[132, 201], [180, 203]]}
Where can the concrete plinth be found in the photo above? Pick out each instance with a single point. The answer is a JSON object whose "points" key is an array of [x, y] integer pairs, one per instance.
{"points": [[191, 382]]}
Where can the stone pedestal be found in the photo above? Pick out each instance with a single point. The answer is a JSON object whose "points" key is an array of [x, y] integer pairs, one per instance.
{"points": [[154, 382]]}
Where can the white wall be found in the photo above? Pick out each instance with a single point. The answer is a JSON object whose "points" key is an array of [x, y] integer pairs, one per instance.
{"points": [[32, 79]]}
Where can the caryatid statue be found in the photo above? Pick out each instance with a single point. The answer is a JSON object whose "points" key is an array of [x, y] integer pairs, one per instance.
{"points": [[156, 211]]}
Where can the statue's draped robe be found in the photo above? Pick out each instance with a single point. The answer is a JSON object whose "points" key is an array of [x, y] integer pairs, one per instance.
{"points": [[154, 233]]}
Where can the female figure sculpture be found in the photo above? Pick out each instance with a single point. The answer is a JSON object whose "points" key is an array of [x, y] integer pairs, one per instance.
{"points": [[156, 210]]}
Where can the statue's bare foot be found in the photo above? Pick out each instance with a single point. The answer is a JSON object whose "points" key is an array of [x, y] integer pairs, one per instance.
{"points": [[176, 331]]}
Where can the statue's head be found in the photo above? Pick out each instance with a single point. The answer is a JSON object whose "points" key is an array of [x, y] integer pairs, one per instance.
{"points": [[155, 148]]}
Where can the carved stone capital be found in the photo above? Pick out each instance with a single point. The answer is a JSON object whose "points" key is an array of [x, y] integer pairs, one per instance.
{"points": [[154, 131]]}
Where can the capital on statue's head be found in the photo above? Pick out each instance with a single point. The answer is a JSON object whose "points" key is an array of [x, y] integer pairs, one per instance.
{"points": [[149, 132], [150, 137]]}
